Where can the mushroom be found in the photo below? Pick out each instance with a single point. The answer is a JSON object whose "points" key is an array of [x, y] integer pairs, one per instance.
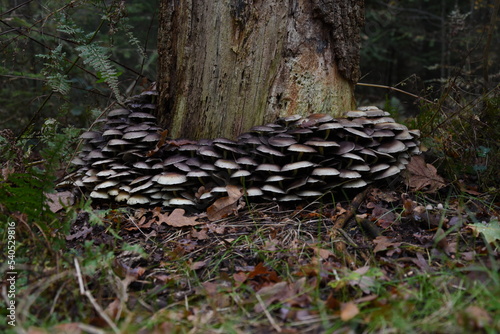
{"points": [[169, 179], [393, 146], [137, 200]]}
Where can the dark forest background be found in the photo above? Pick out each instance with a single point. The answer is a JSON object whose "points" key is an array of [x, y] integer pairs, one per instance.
{"points": [[68, 61]]}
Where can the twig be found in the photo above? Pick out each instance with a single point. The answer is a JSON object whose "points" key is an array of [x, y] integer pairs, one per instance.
{"points": [[340, 245], [273, 323], [94, 303], [396, 90]]}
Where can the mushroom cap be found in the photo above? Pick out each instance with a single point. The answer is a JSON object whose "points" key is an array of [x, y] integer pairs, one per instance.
{"points": [[355, 114], [254, 191], [112, 133], [317, 142], [309, 193], [118, 113], [106, 173], [325, 171], [118, 142], [137, 200], [301, 148], [90, 135], [393, 146], [391, 171], [174, 159], [226, 164], [197, 173], [180, 202], [278, 141], [139, 180], [122, 196], [136, 115], [272, 189], [267, 150], [141, 187], [268, 168], [246, 161], [357, 133], [349, 174], [355, 184], [208, 151], [241, 173], [297, 165], [99, 194], [169, 179]]}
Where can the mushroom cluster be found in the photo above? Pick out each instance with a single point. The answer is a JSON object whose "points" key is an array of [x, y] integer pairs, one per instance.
{"points": [[293, 159]]}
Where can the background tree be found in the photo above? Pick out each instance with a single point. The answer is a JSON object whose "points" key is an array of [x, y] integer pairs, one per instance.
{"points": [[227, 65]]}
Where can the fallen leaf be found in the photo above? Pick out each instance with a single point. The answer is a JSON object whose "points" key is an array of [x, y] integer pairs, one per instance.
{"points": [[197, 265], [177, 219], [200, 235], [57, 201], [80, 234], [423, 176], [383, 243], [225, 206], [475, 318], [322, 253], [114, 308], [216, 228], [348, 311], [490, 231]]}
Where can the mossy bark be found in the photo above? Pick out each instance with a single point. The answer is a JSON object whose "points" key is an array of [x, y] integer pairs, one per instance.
{"points": [[226, 65]]}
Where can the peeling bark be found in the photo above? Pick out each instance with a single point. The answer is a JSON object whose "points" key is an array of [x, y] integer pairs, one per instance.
{"points": [[226, 65]]}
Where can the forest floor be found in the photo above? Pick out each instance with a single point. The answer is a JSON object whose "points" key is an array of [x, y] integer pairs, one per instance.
{"points": [[386, 261]]}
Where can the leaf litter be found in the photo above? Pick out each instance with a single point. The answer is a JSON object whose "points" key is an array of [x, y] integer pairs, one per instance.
{"points": [[277, 263]]}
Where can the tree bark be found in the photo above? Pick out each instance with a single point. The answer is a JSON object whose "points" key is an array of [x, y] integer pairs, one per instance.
{"points": [[226, 65]]}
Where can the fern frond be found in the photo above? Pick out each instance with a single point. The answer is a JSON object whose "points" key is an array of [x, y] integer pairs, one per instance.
{"points": [[52, 70], [98, 58]]}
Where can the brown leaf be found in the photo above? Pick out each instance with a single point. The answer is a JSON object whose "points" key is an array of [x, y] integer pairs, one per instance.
{"points": [[383, 243], [57, 201], [197, 265], [80, 234], [200, 235], [322, 253], [177, 219], [348, 311], [114, 308], [423, 176], [225, 206]]}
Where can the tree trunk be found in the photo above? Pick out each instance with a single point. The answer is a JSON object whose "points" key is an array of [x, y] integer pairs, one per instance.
{"points": [[226, 65]]}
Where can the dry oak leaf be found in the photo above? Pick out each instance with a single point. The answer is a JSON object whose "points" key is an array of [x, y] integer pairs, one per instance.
{"points": [[225, 206], [57, 201], [177, 219], [384, 243], [421, 175]]}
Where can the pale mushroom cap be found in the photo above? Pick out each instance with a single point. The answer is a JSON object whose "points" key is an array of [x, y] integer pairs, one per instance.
{"points": [[325, 171], [137, 200], [268, 168], [391, 171], [170, 179], [393, 146], [273, 189], [106, 184], [99, 194], [226, 164], [355, 184], [254, 191], [297, 165]]}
